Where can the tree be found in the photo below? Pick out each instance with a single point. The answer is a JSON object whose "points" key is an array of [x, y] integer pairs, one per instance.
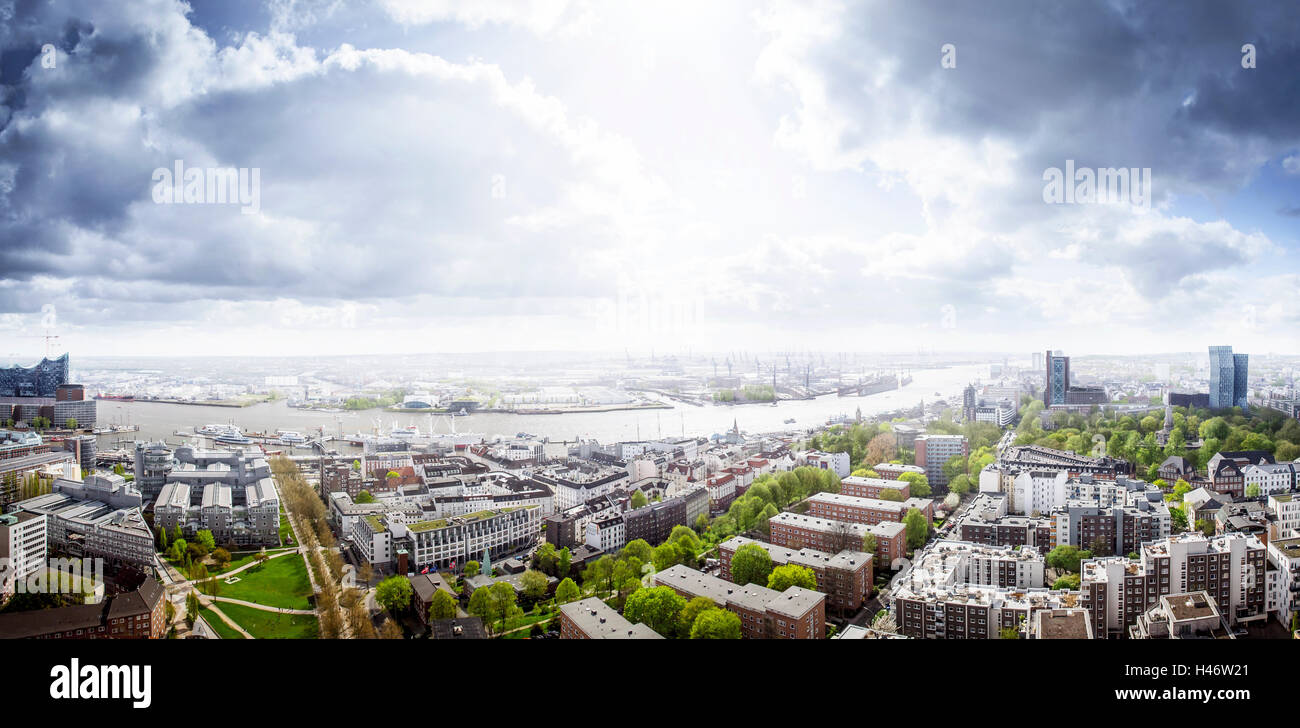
{"points": [[599, 574], [1178, 519], [1065, 558], [565, 558], [657, 607], [365, 497], [685, 539], [639, 500], [667, 555], [918, 529], [1009, 633], [884, 622], [918, 484], [205, 541], [702, 523], [869, 543], [1205, 527], [1252, 490], [471, 569], [394, 593], [71, 423], [784, 577], [442, 605], [1069, 581], [640, 549], [192, 606], [221, 556], [567, 591], [494, 604], [390, 630], [534, 584], [692, 610], [716, 624], [881, 449], [751, 564], [892, 494], [960, 484], [545, 559]]}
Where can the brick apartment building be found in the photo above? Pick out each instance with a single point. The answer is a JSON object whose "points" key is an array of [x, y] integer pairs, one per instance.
{"points": [[796, 531], [795, 613], [856, 485], [845, 578], [138, 614], [592, 619], [869, 511], [892, 471], [985, 521]]}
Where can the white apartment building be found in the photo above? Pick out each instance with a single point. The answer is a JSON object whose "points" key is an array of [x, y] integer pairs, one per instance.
{"points": [[837, 462], [1231, 568], [1270, 477], [573, 487], [607, 532], [1039, 491], [953, 563], [22, 547], [1284, 555], [1287, 509]]}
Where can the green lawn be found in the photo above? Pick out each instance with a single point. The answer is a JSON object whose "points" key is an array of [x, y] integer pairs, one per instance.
{"points": [[219, 625], [279, 582], [286, 530], [271, 626]]}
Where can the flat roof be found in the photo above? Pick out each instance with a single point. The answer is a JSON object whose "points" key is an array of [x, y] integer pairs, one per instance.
{"points": [[599, 621]]}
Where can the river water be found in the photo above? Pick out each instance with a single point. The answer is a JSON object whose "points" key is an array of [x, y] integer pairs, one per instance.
{"points": [[160, 421]]}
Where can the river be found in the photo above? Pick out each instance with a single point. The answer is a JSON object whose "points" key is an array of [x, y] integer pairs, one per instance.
{"points": [[160, 421]]}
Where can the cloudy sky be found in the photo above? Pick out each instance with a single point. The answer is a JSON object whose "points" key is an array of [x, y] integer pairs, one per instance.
{"points": [[439, 175]]}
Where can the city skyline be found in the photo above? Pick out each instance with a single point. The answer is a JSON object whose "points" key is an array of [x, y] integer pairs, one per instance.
{"points": [[573, 176]]}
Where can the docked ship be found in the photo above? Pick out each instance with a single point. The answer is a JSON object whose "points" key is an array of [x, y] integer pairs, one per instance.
{"points": [[118, 397], [872, 385], [291, 437], [235, 437], [224, 434]]}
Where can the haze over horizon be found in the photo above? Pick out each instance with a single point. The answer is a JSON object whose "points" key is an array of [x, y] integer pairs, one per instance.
{"points": [[581, 176]]}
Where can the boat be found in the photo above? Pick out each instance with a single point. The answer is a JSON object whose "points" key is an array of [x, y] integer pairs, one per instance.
{"points": [[410, 432], [118, 397], [290, 437], [224, 434], [233, 438], [790, 421]]}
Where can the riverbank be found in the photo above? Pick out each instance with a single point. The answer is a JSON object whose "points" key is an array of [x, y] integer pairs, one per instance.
{"points": [[229, 403]]}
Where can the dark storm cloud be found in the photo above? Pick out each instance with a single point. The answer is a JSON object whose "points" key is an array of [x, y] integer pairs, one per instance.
{"points": [[1076, 80]]}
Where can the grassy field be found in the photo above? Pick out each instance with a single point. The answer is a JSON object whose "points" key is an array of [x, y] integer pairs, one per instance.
{"points": [[271, 626], [279, 582], [286, 529], [219, 625]]}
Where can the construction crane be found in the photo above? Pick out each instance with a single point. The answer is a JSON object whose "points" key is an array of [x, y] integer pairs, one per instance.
{"points": [[49, 339]]}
